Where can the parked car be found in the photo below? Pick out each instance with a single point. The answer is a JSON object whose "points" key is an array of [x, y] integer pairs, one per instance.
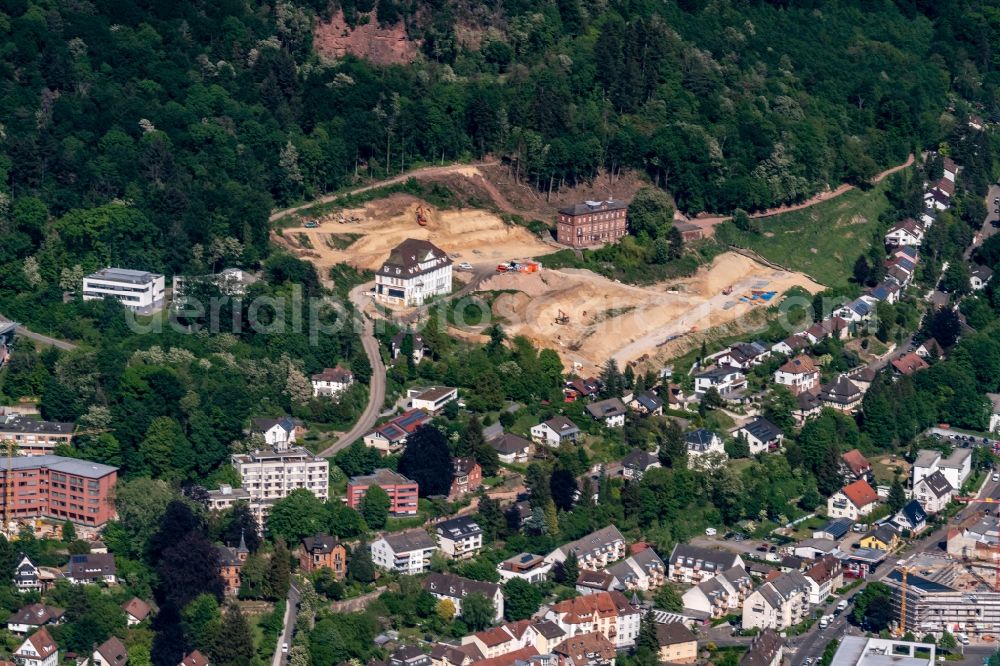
{"points": [[711, 531], [464, 266]]}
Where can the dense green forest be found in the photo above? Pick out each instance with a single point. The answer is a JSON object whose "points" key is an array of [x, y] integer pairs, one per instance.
{"points": [[158, 135]]}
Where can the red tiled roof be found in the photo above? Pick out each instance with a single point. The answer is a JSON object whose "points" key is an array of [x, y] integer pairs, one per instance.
{"points": [[42, 643], [509, 658], [194, 659], [909, 363], [856, 462], [801, 364], [860, 493]]}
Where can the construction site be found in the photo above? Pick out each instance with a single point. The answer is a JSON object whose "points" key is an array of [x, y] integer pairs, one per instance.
{"points": [[364, 236], [588, 318], [937, 593]]}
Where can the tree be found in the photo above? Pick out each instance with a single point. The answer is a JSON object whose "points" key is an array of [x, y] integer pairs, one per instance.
{"points": [[427, 461], [473, 444], [188, 568], [563, 487], [241, 525], [779, 406], [279, 571], [650, 213], [375, 507], [862, 270], [612, 381], [668, 598], [944, 326], [445, 610], [897, 496], [478, 611], [359, 564], [490, 517], [68, 532], [955, 280], [711, 400], [298, 515], [671, 447], [647, 644], [521, 599], [948, 642], [568, 570], [873, 607], [140, 504], [234, 645], [202, 621], [163, 445]]}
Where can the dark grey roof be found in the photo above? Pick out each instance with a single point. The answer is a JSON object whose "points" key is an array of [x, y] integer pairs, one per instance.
{"points": [[673, 633], [938, 484], [913, 512], [841, 391], [837, 528], [593, 542], [594, 207], [763, 649], [708, 559], [982, 272], [649, 400], [763, 429], [406, 258], [509, 444], [91, 566], [20, 424], [700, 439], [320, 543], [84, 468], [410, 540], [458, 528], [124, 275], [457, 587], [639, 460]]}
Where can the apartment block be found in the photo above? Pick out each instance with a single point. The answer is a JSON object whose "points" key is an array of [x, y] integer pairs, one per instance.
{"points": [[139, 291], [401, 490], [56, 487], [32, 437]]}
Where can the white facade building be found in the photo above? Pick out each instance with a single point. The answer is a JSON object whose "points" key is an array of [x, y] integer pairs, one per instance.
{"points": [[139, 291], [415, 271], [270, 475], [407, 552], [459, 538]]}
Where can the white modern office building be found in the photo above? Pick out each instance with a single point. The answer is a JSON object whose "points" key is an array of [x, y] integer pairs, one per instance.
{"points": [[139, 291]]}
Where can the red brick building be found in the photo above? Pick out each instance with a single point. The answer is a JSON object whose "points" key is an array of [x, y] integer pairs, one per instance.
{"points": [[468, 476], [592, 223], [60, 488], [402, 491], [322, 550], [231, 562]]}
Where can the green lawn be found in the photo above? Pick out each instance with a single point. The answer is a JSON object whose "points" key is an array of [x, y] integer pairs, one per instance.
{"points": [[822, 241]]}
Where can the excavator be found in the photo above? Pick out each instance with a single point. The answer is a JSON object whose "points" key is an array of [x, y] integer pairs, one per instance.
{"points": [[421, 216], [562, 317]]}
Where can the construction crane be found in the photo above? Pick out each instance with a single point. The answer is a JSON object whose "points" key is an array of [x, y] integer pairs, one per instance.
{"points": [[901, 627]]}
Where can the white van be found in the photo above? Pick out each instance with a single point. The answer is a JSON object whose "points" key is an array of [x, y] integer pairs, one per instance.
{"points": [[711, 531], [842, 605], [824, 622]]}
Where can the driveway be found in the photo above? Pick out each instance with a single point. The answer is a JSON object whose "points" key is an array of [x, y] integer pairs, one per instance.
{"points": [[991, 216]]}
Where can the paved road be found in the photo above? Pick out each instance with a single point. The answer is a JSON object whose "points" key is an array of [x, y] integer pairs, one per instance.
{"points": [[376, 387], [39, 338], [287, 631], [425, 172], [991, 217]]}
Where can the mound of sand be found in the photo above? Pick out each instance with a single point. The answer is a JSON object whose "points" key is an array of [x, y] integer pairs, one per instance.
{"points": [[472, 235], [608, 319]]}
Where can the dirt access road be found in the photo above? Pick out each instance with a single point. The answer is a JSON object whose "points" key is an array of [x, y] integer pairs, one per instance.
{"points": [[468, 170], [708, 224], [39, 338]]}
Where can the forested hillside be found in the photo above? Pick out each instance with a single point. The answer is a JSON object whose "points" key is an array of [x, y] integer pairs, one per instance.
{"points": [[139, 133]]}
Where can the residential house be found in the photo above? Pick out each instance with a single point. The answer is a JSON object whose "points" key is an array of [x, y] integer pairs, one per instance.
{"points": [[433, 399], [136, 611], [858, 310], [415, 271], [956, 467], [884, 537], [610, 411], [842, 395], [456, 588], [929, 348], [719, 595], [583, 387], [443, 654], [905, 232], [7, 332], [323, 551], [590, 649], [793, 344], [555, 431], [646, 403], [934, 492], [643, 570], [760, 435], [766, 649], [390, 437], [34, 616], [609, 613], [511, 449], [26, 576], [834, 327], [814, 549], [726, 379], [981, 276], [807, 405], [887, 291], [409, 655], [467, 476], [692, 564], [111, 652], [332, 381], [92, 568], [532, 568], [911, 518], [459, 538], [777, 604], [593, 582], [636, 462], [824, 577], [408, 552], [703, 443], [195, 658], [402, 491], [853, 501], [594, 551], [677, 644], [909, 363], [38, 650], [864, 377], [945, 187], [950, 168], [799, 374], [499, 641], [420, 350], [276, 432], [855, 466], [936, 200], [231, 562]]}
